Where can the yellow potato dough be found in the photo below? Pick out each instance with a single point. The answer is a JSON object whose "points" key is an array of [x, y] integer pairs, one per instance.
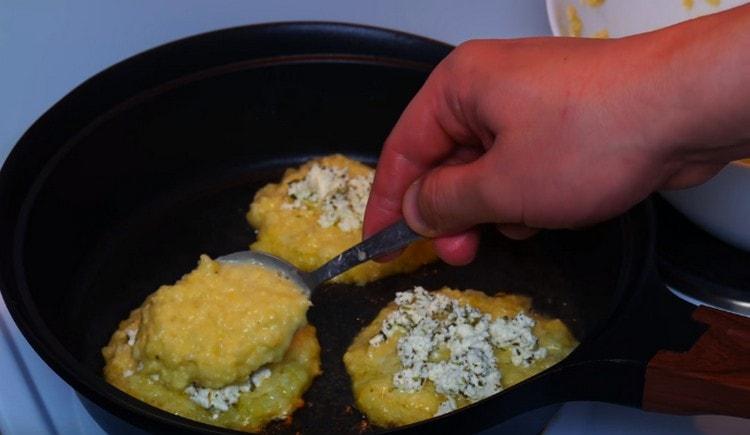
{"points": [[296, 236], [217, 324], [213, 328], [372, 368], [275, 398]]}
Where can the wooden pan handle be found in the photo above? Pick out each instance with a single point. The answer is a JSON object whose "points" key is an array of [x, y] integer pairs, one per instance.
{"points": [[713, 377]]}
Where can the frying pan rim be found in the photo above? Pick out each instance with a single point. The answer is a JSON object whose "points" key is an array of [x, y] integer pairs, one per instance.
{"points": [[27, 316], [23, 310]]}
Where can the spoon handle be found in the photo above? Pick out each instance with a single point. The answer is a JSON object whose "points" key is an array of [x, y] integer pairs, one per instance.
{"points": [[389, 239]]}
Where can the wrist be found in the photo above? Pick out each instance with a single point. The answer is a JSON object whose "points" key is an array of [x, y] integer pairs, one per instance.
{"points": [[648, 94], [702, 71]]}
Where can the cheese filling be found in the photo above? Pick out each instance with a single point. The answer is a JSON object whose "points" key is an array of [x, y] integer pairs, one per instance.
{"points": [[340, 198], [215, 400], [131, 334], [431, 323], [220, 399]]}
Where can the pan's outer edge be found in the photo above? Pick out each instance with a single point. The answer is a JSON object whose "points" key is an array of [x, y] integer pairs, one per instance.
{"points": [[286, 41], [97, 95]]}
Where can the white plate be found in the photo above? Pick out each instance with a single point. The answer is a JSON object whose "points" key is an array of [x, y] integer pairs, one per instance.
{"points": [[720, 206], [628, 17]]}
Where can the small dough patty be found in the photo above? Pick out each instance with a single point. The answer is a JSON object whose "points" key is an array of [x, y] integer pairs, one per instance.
{"points": [[296, 236], [215, 328], [275, 398], [372, 368], [218, 324]]}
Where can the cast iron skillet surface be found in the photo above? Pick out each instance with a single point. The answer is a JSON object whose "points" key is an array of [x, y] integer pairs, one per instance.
{"points": [[124, 183]]}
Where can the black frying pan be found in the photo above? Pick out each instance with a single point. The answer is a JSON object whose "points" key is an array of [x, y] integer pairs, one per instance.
{"points": [[121, 185]]}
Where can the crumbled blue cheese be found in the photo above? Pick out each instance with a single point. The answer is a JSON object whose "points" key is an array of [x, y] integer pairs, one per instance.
{"points": [[516, 335], [446, 407], [219, 400], [131, 334], [340, 198], [431, 322], [259, 376]]}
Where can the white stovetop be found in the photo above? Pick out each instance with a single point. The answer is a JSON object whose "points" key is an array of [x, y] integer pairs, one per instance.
{"points": [[48, 47]]}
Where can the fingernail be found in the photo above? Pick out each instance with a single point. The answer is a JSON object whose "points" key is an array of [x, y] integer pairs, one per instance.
{"points": [[411, 211]]}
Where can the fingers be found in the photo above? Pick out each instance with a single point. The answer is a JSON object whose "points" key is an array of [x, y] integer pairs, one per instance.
{"points": [[453, 252], [458, 249], [452, 199], [418, 142], [516, 231], [692, 175], [433, 142]]}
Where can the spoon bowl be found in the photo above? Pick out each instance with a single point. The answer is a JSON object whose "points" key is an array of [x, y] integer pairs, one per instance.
{"points": [[288, 270], [389, 239]]}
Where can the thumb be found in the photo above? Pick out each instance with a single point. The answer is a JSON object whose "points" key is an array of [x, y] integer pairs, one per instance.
{"points": [[451, 199]]}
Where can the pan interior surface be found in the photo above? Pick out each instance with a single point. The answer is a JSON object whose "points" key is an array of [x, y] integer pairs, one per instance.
{"points": [[132, 201]]}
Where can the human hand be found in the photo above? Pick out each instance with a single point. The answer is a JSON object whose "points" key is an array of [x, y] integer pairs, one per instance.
{"points": [[539, 133]]}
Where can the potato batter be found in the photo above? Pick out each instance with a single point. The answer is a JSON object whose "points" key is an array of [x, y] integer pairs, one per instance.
{"points": [[315, 213], [228, 345], [394, 387]]}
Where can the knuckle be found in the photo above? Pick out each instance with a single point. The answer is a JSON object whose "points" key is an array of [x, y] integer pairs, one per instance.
{"points": [[466, 72], [431, 199], [464, 56]]}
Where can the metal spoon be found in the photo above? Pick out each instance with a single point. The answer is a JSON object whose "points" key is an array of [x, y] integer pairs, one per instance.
{"points": [[390, 239]]}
